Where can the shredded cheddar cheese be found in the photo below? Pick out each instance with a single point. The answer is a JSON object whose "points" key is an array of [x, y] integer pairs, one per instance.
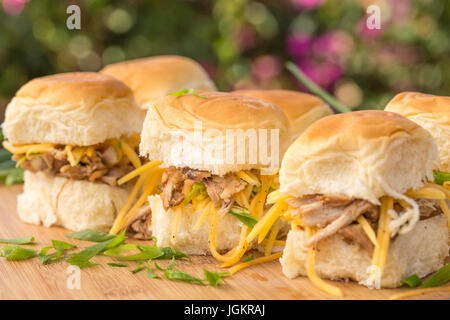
{"points": [[367, 229], [446, 211], [25, 148], [118, 222], [138, 171], [176, 223], [417, 292], [263, 226], [248, 177], [309, 266], [381, 250], [129, 152], [151, 180], [250, 263], [272, 237], [205, 210], [428, 193], [440, 188]]}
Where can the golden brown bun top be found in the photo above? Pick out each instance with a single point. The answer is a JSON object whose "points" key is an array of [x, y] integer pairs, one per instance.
{"points": [[69, 87], [155, 77], [432, 113], [302, 109], [410, 104], [361, 154], [217, 115], [295, 104], [220, 110], [80, 108], [369, 124]]}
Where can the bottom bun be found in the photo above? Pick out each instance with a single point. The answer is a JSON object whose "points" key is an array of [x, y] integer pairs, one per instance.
{"points": [[73, 204], [188, 240], [421, 251]]}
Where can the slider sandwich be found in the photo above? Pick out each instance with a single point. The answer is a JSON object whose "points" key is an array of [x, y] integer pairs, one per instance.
{"points": [[432, 113], [219, 151], [302, 109], [353, 184], [155, 77], [75, 136]]}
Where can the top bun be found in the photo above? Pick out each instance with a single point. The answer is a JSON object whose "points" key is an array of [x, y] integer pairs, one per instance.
{"points": [[81, 109], [302, 109], [430, 112], [155, 77], [363, 154], [204, 122]]}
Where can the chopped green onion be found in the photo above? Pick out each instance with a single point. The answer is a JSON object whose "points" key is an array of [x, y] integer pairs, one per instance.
{"points": [[244, 216]]}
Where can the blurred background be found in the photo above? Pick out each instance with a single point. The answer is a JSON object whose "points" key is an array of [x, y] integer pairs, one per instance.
{"points": [[242, 43]]}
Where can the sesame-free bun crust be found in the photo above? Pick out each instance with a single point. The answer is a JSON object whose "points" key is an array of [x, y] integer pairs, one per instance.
{"points": [[217, 112], [155, 77], [363, 154], [432, 113], [81, 109], [73, 204], [421, 251], [302, 109]]}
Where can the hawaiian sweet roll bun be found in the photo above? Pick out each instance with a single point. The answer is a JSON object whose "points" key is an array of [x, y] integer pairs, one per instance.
{"points": [[348, 179], [432, 113], [73, 109], [203, 119], [155, 77], [363, 154], [174, 122], [302, 109], [72, 133]]}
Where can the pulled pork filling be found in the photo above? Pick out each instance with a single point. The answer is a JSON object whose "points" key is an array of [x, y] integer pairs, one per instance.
{"points": [[333, 214], [220, 189], [105, 165]]}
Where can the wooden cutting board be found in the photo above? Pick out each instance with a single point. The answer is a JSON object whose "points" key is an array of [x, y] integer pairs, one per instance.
{"points": [[30, 279]]}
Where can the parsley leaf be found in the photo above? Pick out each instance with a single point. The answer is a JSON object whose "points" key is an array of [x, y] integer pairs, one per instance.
{"points": [[214, 278], [412, 281], [150, 272], [197, 188], [439, 278], [169, 253], [183, 92], [145, 252], [91, 235], [16, 253], [115, 264], [59, 247], [81, 259], [26, 240], [244, 216], [250, 257], [440, 177], [139, 267]]}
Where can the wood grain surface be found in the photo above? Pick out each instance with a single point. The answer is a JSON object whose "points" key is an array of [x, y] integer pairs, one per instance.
{"points": [[30, 279]]}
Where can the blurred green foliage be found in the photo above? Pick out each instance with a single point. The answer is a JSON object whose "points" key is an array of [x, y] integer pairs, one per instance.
{"points": [[242, 43]]}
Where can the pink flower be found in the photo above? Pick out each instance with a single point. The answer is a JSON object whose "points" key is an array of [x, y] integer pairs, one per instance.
{"points": [[266, 67], [13, 7], [323, 74], [335, 46], [366, 33], [298, 45], [307, 4]]}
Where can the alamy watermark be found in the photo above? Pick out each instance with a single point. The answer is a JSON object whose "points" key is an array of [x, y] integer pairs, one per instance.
{"points": [[374, 19], [220, 147], [74, 20], [73, 281]]}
